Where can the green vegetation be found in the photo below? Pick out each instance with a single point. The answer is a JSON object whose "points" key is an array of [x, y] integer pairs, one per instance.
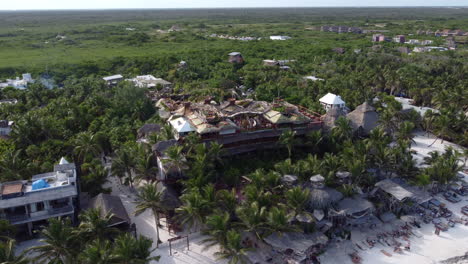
{"points": [[84, 120]]}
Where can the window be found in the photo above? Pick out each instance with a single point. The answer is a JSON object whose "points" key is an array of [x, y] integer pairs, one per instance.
{"points": [[40, 206]]}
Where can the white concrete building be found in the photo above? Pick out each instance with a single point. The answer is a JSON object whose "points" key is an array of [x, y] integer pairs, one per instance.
{"points": [[313, 78], [330, 101], [181, 127], [113, 80], [26, 202], [5, 127], [149, 81], [280, 37], [18, 83]]}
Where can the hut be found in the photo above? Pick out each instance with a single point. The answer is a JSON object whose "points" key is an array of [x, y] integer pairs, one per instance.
{"points": [[331, 116], [398, 196], [289, 180], [297, 247], [169, 197], [343, 177], [355, 207], [322, 197], [363, 119], [106, 203], [182, 65], [270, 63], [317, 181], [236, 57], [330, 101], [148, 129]]}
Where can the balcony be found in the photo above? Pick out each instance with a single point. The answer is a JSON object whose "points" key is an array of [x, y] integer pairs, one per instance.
{"points": [[40, 215], [61, 210], [16, 218]]}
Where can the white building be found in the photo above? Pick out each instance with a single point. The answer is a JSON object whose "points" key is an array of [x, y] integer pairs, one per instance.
{"points": [[49, 195], [181, 127], [279, 37], [149, 81], [113, 80], [5, 127], [313, 78], [8, 101], [18, 83], [330, 101]]}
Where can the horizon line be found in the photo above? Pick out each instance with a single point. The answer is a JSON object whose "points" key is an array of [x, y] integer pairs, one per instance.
{"points": [[259, 7]]}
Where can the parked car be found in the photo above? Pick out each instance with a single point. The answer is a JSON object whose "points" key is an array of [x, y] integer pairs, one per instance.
{"points": [[452, 197]]}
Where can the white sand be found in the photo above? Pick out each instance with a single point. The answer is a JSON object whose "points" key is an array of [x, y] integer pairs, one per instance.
{"points": [[145, 226], [427, 249]]}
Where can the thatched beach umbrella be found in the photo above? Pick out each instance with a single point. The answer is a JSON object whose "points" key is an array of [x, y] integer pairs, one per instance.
{"points": [[323, 198]]}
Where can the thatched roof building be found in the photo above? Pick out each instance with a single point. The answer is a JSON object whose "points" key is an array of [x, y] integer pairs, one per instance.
{"points": [[169, 197], [297, 247], [323, 198], [364, 118], [330, 118], [148, 129], [355, 207], [112, 204]]}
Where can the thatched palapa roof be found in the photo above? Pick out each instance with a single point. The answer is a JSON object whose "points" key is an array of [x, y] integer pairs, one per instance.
{"points": [[110, 204], [364, 118], [147, 129], [168, 196], [330, 118], [323, 198]]}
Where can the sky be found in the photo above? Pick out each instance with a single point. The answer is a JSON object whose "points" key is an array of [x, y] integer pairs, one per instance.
{"points": [[113, 4]]}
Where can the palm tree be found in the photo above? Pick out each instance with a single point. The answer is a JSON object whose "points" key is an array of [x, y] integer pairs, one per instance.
{"points": [[194, 209], [131, 250], [6, 229], [98, 252], [175, 157], [342, 129], [86, 146], [442, 128], [404, 132], [288, 140], [149, 198], [59, 243], [145, 168], [314, 139], [94, 226], [277, 221], [7, 253], [227, 200], [216, 227], [13, 166], [252, 218], [215, 152], [122, 165], [297, 200], [233, 250]]}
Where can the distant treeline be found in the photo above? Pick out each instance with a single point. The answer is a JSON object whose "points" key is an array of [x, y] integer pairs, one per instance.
{"points": [[233, 15]]}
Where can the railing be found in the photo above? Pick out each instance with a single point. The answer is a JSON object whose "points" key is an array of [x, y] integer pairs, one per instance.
{"points": [[37, 215], [17, 218], [61, 210]]}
